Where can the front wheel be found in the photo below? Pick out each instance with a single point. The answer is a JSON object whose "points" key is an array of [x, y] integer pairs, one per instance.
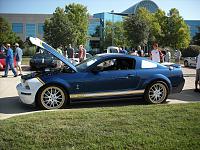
{"points": [[52, 97], [156, 93]]}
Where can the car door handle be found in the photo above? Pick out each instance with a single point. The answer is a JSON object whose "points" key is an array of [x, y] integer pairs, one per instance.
{"points": [[127, 77], [122, 77], [131, 76]]}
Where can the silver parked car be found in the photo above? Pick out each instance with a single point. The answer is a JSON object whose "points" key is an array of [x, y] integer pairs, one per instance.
{"points": [[190, 61]]}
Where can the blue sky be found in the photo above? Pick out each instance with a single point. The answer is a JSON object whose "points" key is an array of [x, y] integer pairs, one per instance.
{"points": [[189, 9]]}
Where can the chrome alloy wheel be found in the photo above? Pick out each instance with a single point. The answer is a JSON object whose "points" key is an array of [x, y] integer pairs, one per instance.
{"points": [[157, 93], [52, 97]]}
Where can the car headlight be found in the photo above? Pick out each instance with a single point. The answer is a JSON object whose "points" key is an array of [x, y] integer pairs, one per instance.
{"points": [[27, 86]]}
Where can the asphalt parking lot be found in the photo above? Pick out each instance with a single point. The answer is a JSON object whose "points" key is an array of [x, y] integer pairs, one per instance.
{"points": [[10, 105]]}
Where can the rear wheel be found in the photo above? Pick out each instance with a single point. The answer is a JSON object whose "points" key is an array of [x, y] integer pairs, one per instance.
{"points": [[52, 97], [156, 93]]}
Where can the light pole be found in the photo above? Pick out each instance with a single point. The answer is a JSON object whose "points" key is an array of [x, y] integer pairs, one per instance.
{"points": [[112, 12]]}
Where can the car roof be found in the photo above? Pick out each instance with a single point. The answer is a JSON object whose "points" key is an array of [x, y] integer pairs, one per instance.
{"points": [[118, 55]]}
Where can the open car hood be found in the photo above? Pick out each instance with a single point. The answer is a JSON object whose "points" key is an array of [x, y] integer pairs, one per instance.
{"points": [[48, 48]]}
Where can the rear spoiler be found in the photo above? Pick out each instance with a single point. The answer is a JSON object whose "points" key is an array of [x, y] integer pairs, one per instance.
{"points": [[168, 64]]}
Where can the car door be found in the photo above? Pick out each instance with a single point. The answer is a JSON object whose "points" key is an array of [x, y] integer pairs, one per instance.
{"points": [[111, 79]]}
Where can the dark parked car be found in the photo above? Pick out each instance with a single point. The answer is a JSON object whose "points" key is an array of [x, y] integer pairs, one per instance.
{"points": [[103, 76], [42, 60]]}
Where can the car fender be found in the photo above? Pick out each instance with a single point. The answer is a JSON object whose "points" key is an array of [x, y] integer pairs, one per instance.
{"points": [[158, 77], [57, 81], [60, 82]]}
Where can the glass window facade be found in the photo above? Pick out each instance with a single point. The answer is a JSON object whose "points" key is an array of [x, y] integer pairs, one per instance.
{"points": [[193, 26], [94, 27], [41, 28], [30, 30], [108, 17], [17, 27]]}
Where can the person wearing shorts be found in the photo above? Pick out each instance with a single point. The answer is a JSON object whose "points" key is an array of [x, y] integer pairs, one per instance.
{"points": [[18, 56]]}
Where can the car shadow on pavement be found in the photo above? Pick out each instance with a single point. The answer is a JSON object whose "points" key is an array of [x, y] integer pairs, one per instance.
{"points": [[187, 95], [12, 105]]}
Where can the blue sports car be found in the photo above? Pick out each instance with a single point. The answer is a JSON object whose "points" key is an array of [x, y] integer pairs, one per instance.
{"points": [[100, 77]]}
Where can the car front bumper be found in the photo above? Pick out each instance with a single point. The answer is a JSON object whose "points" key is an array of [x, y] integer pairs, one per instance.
{"points": [[27, 95], [178, 88]]}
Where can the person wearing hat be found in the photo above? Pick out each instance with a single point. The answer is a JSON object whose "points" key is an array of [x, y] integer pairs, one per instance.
{"points": [[18, 55], [9, 61]]}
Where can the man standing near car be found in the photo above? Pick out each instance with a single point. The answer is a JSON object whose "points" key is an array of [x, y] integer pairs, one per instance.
{"points": [[9, 61], [18, 56], [156, 54], [70, 52], [81, 53], [197, 81]]}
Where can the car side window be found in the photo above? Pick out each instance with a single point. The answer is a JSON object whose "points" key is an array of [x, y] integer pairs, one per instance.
{"points": [[117, 64], [148, 65]]}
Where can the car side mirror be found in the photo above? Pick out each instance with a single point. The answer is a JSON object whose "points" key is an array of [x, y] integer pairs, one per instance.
{"points": [[97, 69]]}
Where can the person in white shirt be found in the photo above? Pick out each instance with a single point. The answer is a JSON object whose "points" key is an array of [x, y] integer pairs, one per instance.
{"points": [[155, 53], [177, 55], [168, 56], [197, 81]]}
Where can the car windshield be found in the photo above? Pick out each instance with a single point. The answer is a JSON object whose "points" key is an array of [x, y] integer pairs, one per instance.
{"points": [[87, 63]]}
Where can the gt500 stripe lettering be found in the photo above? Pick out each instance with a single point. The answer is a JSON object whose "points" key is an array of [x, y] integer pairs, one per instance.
{"points": [[88, 95]]}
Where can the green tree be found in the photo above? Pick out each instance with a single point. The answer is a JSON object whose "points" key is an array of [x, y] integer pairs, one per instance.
{"points": [[137, 30], [108, 34], [177, 33], [67, 26], [77, 14], [161, 18], [196, 38], [153, 23], [145, 27], [57, 29], [6, 33], [119, 38]]}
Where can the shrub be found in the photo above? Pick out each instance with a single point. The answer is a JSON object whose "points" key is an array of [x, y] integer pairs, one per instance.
{"points": [[29, 51], [191, 51]]}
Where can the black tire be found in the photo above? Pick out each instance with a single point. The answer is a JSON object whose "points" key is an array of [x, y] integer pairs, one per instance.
{"points": [[156, 93], [186, 63], [52, 97]]}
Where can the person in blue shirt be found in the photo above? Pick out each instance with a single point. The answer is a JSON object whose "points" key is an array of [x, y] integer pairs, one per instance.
{"points": [[9, 61], [18, 55]]}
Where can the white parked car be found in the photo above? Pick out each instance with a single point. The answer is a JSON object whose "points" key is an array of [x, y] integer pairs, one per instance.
{"points": [[190, 61], [112, 49]]}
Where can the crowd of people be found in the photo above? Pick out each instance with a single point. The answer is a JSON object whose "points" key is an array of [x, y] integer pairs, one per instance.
{"points": [[68, 52], [157, 55]]}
